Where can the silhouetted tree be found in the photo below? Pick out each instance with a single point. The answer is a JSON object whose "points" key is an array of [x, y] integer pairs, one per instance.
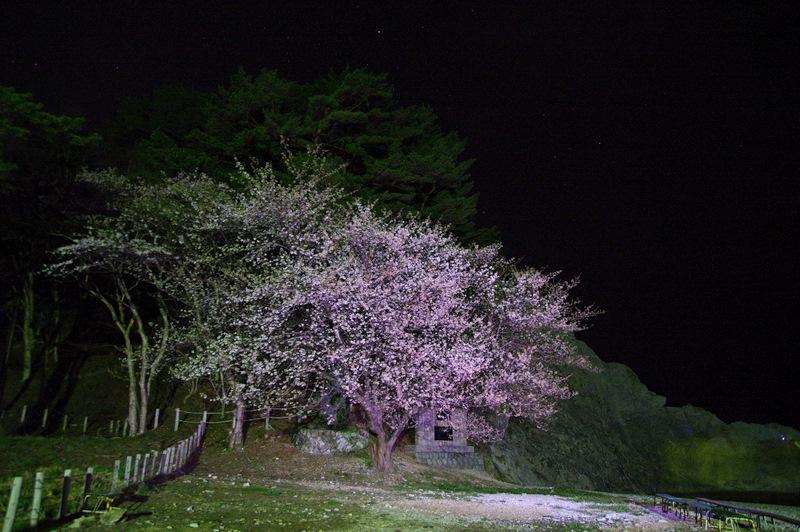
{"points": [[39, 156], [395, 155]]}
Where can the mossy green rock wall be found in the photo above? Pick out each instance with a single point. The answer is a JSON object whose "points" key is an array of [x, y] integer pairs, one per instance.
{"points": [[617, 435]]}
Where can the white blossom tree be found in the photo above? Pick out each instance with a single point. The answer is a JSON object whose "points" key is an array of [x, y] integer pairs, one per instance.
{"points": [[128, 260], [242, 291]]}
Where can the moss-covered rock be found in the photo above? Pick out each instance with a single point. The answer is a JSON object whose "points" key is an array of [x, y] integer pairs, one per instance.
{"points": [[327, 442]]}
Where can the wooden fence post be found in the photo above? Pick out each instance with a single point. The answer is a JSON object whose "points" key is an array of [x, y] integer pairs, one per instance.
{"points": [[115, 477], [13, 503], [85, 424], [125, 429], [128, 461], [177, 418], [155, 421], [162, 464], [166, 461], [111, 429], [64, 510], [155, 463], [145, 463], [87, 487], [36, 503], [23, 414], [44, 417], [64, 424]]}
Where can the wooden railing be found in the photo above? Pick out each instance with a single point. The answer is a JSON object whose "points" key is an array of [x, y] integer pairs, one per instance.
{"points": [[137, 470]]}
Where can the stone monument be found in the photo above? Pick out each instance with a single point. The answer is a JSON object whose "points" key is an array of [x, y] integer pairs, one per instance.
{"points": [[440, 441]]}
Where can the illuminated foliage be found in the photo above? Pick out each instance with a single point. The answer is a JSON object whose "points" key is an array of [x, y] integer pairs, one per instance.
{"points": [[290, 293]]}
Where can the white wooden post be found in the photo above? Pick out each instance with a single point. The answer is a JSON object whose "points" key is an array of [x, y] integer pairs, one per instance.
{"points": [[13, 502], [162, 464], [23, 414], [128, 461], [85, 424], [64, 424], [63, 511], [155, 421], [44, 417], [115, 478], [36, 504], [136, 465], [125, 427], [165, 461], [145, 463], [177, 418]]}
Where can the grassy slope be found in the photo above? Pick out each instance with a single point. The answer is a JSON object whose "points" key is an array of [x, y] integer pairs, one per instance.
{"points": [[272, 486]]}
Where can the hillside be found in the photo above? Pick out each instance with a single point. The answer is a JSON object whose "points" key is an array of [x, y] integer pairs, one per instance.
{"points": [[617, 435]]}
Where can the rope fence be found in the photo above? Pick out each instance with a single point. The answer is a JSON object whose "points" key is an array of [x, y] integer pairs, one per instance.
{"points": [[83, 425], [266, 416], [71, 425]]}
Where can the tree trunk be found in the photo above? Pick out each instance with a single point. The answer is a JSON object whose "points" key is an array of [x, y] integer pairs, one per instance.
{"points": [[387, 439], [237, 430], [133, 400], [383, 455], [7, 357], [133, 410], [27, 327], [144, 400]]}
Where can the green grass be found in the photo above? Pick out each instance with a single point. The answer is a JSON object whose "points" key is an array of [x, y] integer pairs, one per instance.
{"points": [[208, 505], [253, 489], [24, 456]]}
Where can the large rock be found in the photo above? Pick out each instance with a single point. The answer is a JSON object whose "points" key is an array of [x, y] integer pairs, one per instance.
{"points": [[617, 435], [327, 442]]}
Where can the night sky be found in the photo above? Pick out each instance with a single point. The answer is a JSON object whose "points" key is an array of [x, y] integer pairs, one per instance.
{"points": [[651, 150]]}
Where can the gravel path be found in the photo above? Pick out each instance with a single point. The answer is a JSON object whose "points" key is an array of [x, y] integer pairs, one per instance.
{"points": [[548, 508]]}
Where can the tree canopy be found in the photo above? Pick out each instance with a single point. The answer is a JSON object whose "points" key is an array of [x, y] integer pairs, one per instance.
{"points": [[395, 155], [294, 294]]}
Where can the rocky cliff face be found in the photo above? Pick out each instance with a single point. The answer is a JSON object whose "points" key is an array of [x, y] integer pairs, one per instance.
{"points": [[616, 435]]}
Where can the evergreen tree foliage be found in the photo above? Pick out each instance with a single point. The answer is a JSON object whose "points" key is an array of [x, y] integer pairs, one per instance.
{"points": [[40, 154], [396, 156]]}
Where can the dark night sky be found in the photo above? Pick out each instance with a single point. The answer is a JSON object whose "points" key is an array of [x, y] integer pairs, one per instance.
{"points": [[652, 150]]}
